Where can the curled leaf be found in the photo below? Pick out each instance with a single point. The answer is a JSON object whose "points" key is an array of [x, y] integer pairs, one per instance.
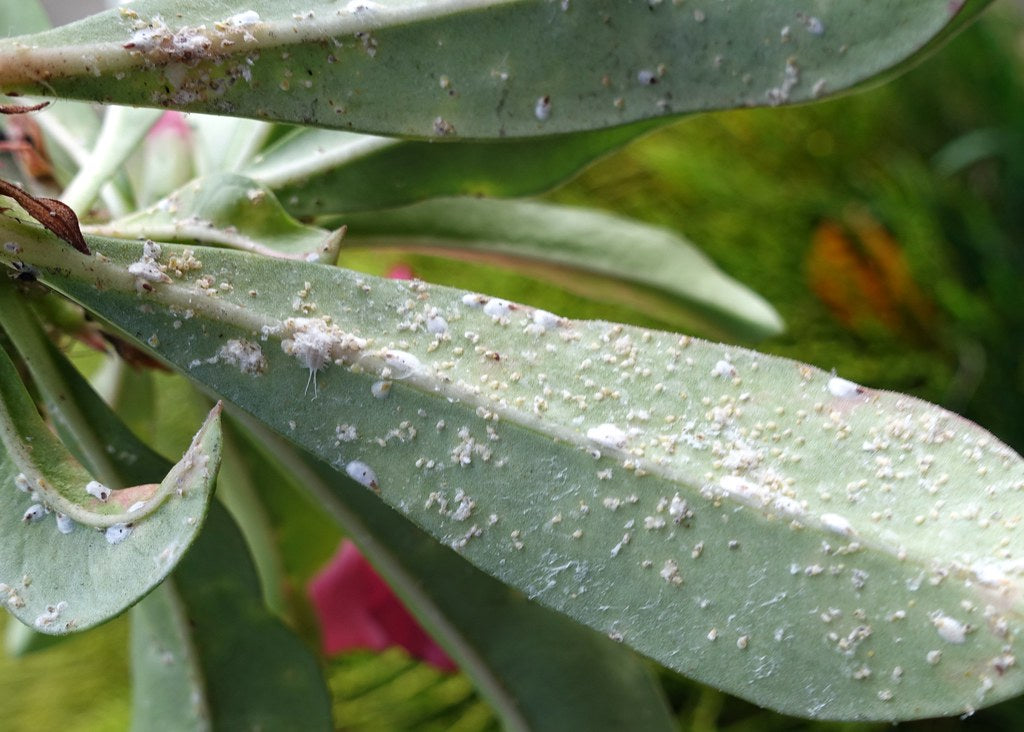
{"points": [[57, 572]]}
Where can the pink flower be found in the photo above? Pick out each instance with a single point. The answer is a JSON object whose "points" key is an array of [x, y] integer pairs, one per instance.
{"points": [[400, 272], [170, 123], [356, 609]]}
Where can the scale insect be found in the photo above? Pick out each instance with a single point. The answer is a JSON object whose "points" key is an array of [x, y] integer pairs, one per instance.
{"points": [[23, 272]]}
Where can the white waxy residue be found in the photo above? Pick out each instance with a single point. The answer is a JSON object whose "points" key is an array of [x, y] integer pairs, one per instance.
{"points": [[245, 355], [21, 483], [401, 363], [246, 17], [607, 435], [837, 524], [744, 490], [381, 389], [51, 616], [363, 474]]}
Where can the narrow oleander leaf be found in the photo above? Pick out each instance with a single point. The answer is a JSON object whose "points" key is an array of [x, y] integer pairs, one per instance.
{"points": [[586, 252], [256, 674], [168, 690], [471, 68], [121, 132], [163, 163], [327, 172], [810, 544], [226, 144], [24, 17], [57, 572], [538, 669], [232, 211]]}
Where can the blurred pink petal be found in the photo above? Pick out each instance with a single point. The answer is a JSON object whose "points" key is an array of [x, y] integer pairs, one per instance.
{"points": [[356, 609], [170, 123], [401, 272]]}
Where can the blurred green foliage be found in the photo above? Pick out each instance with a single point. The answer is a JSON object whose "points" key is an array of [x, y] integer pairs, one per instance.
{"points": [[887, 227]]}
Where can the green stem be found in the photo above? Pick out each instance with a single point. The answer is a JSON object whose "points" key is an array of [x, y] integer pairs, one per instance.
{"points": [[122, 131], [28, 338]]}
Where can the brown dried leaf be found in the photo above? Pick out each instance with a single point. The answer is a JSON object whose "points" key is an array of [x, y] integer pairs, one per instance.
{"points": [[54, 215], [22, 109]]}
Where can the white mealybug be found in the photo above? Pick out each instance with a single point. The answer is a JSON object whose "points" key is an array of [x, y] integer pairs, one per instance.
{"points": [[437, 325], [402, 363], [723, 368], [246, 17], [97, 490], [546, 320], [21, 483], [608, 435], [498, 308], [843, 389], [363, 474], [787, 505], [137, 506], [117, 533], [51, 616], [837, 524], [646, 77], [34, 513], [474, 300], [950, 629], [542, 109], [743, 490], [64, 524], [381, 389]]}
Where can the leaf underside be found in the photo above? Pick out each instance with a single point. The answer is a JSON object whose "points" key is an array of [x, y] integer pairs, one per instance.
{"points": [[470, 68], [817, 547]]}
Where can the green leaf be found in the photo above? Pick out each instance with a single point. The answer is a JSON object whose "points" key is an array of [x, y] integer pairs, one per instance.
{"points": [[324, 172], [815, 546], [584, 252], [471, 68], [225, 144], [25, 17], [538, 669], [231, 211], [167, 681], [120, 134], [61, 582], [209, 619]]}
